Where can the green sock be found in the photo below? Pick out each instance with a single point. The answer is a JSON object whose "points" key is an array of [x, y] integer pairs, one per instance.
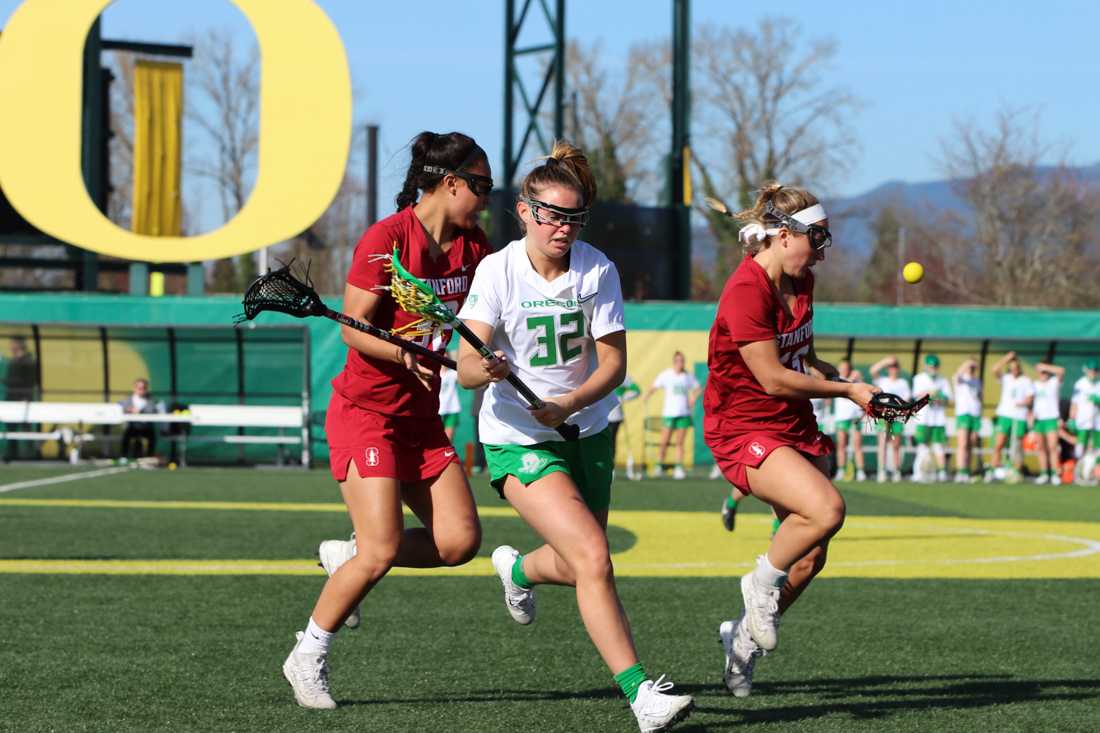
{"points": [[630, 679], [731, 503], [518, 576], [775, 525]]}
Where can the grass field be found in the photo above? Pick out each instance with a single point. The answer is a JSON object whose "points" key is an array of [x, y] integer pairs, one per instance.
{"points": [[155, 600]]}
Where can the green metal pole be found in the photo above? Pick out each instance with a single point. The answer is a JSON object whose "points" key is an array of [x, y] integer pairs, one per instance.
{"points": [[509, 100], [559, 70], [679, 169]]}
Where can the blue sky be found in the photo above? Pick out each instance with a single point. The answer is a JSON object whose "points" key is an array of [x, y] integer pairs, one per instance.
{"points": [[918, 67]]}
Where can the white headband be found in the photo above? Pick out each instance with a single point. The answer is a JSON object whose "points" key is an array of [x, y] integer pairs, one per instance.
{"points": [[809, 215]]}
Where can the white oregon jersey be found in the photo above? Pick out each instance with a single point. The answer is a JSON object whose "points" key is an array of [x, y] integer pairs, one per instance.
{"points": [[448, 392], [547, 331], [968, 396], [1083, 391], [933, 385], [818, 406], [1014, 390], [845, 409], [677, 390], [1046, 398], [898, 386]]}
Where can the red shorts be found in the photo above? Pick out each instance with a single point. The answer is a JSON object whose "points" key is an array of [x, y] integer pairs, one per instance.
{"points": [[407, 448], [735, 454]]}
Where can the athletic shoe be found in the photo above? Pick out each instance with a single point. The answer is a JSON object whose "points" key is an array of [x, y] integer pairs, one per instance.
{"points": [[1043, 479], [861, 475], [656, 710], [656, 471], [896, 477], [716, 473], [678, 473], [839, 475], [308, 677], [761, 612], [1056, 480], [332, 554], [729, 515], [881, 477], [741, 653], [520, 602], [941, 476]]}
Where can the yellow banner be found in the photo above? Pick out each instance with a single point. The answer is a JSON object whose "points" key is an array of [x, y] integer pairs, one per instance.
{"points": [[158, 116]]}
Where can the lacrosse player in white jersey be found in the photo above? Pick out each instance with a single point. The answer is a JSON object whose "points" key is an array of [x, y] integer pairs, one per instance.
{"points": [[1085, 420], [968, 417], [1010, 426], [931, 433], [1048, 421], [551, 308], [890, 433], [847, 420]]}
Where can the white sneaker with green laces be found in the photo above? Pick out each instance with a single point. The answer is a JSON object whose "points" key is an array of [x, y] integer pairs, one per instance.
{"points": [[332, 554], [520, 602], [308, 677], [741, 653], [656, 710], [761, 612]]}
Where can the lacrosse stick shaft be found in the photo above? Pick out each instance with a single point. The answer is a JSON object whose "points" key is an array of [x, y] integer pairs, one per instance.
{"points": [[567, 431], [385, 335]]}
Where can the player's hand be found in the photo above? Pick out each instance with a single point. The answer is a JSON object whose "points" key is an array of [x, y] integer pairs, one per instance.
{"points": [[553, 412], [861, 393], [496, 368], [423, 373]]}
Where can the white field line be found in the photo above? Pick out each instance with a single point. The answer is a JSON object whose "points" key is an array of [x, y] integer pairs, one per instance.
{"points": [[19, 485]]}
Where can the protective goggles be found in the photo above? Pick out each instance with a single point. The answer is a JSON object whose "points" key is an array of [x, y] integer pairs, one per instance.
{"points": [[819, 236], [478, 185], [544, 213]]}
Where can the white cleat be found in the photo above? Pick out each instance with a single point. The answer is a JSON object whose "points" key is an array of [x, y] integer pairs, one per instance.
{"points": [[520, 602], [332, 554], [741, 653], [308, 677], [881, 477], [861, 475], [715, 473], [656, 710], [1056, 480], [678, 473], [761, 612], [896, 478]]}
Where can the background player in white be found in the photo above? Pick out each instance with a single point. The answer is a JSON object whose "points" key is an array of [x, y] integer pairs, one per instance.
{"points": [[624, 393], [890, 433], [1085, 424], [1048, 420], [847, 419], [449, 406], [681, 389], [1010, 424], [551, 307], [968, 417], [931, 433]]}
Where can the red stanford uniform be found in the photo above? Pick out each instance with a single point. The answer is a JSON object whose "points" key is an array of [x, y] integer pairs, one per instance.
{"points": [[743, 423], [380, 415]]}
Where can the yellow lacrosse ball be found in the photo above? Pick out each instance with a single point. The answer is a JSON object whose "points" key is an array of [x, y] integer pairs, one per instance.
{"points": [[913, 272]]}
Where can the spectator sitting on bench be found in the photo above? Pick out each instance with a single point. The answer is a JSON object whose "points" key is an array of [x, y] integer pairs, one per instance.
{"points": [[140, 402]]}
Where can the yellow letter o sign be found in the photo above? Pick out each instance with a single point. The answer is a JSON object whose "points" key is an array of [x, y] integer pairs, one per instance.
{"points": [[305, 130]]}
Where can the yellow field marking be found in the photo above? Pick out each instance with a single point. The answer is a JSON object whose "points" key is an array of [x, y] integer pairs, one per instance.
{"points": [[692, 544]]}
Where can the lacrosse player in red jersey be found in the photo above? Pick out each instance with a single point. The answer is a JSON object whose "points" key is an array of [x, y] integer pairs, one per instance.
{"points": [[387, 443], [758, 420]]}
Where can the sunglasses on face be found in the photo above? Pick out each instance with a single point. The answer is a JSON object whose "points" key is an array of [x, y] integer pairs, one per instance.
{"points": [[557, 216], [478, 185], [819, 236]]}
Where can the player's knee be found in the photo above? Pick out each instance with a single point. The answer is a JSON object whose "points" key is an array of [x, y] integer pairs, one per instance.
{"points": [[461, 548], [593, 562], [829, 515]]}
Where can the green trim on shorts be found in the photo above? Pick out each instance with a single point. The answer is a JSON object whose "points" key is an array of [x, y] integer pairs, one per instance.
{"points": [[843, 426], [1007, 425], [896, 428], [1045, 427], [677, 423], [590, 462], [968, 422], [450, 420], [930, 434]]}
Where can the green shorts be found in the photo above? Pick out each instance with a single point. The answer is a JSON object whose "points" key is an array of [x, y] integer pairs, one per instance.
{"points": [[968, 422], [894, 428], [843, 426], [677, 423], [1006, 425], [1045, 427], [589, 461], [930, 434], [451, 420]]}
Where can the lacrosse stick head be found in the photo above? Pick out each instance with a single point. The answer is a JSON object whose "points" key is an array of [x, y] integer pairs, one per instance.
{"points": [[413, 295], [891, 408], [281, 291]]}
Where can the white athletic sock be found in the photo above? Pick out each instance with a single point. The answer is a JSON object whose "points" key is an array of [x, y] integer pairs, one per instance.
{"points": [[766, 575], [920, 461], [316, 640]]}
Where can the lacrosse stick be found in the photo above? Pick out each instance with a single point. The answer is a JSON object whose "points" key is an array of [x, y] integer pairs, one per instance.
{"points": [[891, 408], [282, 292], [417, 297]]}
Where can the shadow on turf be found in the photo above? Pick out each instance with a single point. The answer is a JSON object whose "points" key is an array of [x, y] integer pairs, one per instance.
{"points": [[959, 692]]}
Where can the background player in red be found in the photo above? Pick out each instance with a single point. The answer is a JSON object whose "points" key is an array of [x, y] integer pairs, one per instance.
{"points": [[386, 439], [759, 423]]}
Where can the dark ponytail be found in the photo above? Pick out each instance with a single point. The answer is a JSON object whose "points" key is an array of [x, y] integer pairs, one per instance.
{"points": [[451, 151]]}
